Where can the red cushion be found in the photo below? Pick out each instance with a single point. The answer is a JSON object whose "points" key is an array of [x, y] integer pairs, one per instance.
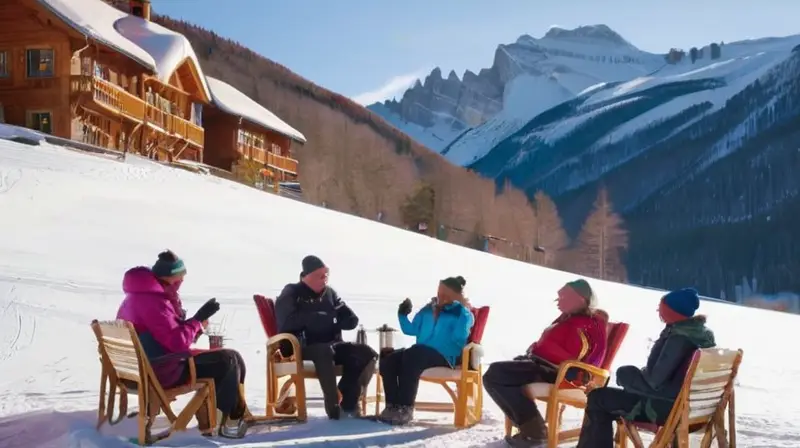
{"points": [[481, 317], [266, 311]]}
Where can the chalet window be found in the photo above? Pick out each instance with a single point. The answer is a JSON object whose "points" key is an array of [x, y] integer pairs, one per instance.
{"points": [[41, 121], [4, 64], [40, 63]]}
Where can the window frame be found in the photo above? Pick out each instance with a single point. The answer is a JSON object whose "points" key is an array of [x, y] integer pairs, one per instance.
{"points": [[29, 119], [5, 64], [28, 67]]}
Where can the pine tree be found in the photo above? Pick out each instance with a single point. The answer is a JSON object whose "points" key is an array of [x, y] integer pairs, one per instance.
{"points": [[551, 240], [598, 249], [418, 208]]}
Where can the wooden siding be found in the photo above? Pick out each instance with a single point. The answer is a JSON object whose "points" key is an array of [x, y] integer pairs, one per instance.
{"points": [[21, 30], [223, 147]]}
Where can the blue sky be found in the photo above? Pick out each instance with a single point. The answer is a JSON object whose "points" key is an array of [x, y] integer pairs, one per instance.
{"points": [[373, 49]]}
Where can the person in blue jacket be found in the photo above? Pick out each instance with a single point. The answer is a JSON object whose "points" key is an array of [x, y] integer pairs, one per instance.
{"points": [[442, 328]]}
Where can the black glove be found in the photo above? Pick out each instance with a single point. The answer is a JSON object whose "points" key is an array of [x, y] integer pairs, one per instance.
{"points": [[207, 310], [522, 358], [405, 308]]}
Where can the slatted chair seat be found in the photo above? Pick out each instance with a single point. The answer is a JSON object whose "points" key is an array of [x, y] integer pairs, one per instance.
{"points": [[707, 393], [125, 369], [573, 393]]}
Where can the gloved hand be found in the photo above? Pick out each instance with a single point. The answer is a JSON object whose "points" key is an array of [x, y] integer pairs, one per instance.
{"points": [[405, 307], [522, 358], [207, 310]]}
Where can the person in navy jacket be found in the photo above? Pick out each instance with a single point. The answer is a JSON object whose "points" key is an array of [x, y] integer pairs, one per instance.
{"points": [[442, 328]]}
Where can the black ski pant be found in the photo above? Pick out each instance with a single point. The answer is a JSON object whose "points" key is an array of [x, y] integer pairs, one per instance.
{"points": [[402, 368], [226, 368], [358, 365], [504, 382], [606, 404]]}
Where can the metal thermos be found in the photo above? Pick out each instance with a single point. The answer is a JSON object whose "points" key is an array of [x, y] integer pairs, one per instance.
{"points": [[361, 335], [385, 339]]}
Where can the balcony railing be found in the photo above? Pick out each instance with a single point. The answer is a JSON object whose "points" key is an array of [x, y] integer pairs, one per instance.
{"points": [[115, 97], [270, 159], [109, 95], [175, 125]]}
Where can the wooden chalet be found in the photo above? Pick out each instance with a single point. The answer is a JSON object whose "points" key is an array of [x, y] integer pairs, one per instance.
{"points": [[237, 128], [85, 70]]}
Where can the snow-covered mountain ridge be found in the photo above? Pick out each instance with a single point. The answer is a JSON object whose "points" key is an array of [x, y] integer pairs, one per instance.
{"points": [[703, 142], [526, 77]]}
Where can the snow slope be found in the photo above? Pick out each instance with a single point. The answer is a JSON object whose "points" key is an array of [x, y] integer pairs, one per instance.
{"points": [[72, 223]]}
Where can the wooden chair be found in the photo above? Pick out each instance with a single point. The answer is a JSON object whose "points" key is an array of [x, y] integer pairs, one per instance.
{"points": [[292, 368], [573, 393], [467, 399], [125, 368], [707, 392]]}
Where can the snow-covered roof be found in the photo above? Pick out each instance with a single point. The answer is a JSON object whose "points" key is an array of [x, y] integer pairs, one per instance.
{"points": [[167, 48], [234, 102], [150, 44]]}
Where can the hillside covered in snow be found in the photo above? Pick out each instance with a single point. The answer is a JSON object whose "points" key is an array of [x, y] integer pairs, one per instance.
{"points": [[695, 145], [73, 223]]}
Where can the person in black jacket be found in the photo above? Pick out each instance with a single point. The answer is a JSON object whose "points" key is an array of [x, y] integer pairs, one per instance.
{"points": [[312, 311], [648, 394]]}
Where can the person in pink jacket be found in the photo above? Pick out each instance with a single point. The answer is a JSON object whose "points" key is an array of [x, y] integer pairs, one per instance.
{"points": [[153, 306]]}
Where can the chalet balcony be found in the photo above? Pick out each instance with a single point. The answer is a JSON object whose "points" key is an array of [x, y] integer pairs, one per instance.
{"points": [[117, 99], [270, 159]]}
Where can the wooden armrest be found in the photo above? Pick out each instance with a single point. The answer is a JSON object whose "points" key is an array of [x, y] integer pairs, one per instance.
{"points": [[465, 355], [274, 342], [599, 375]]}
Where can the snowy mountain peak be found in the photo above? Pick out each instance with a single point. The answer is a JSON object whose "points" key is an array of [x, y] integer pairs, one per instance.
{"points": [[548, 70], [593, 32]]}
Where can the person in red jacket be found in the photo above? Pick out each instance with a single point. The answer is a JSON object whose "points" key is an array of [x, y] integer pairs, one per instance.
{"points": [[578, 334]]}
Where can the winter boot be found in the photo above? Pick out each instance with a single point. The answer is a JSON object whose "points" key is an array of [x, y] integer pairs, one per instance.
{"points": [[532, 433], [404, 415], [231, 428], [389, 413]]}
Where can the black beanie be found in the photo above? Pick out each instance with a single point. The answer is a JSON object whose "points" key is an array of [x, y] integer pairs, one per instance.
{"points": [[310, 264], [168, 264], [455, 283]]}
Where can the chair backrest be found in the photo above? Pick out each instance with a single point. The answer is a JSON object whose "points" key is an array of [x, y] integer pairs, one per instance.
{"points": [[616, 334], [120, 352], [266, 311], [481, 317], [708, 384]]}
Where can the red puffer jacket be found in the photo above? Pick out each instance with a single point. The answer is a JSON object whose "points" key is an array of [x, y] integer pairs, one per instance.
{"points": [[572, 338]]}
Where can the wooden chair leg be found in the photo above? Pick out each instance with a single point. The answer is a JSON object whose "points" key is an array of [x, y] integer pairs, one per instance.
{"points": [[198, 399], [732, 420], [101, 408], [552, 424], [621, 438], [509, 427], [143, 419], [460, 405], [378, 393], [300, 397], [633, 434]]}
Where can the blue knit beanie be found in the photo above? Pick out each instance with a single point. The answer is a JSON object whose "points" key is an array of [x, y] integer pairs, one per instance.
{"points": [[683, 301]]}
